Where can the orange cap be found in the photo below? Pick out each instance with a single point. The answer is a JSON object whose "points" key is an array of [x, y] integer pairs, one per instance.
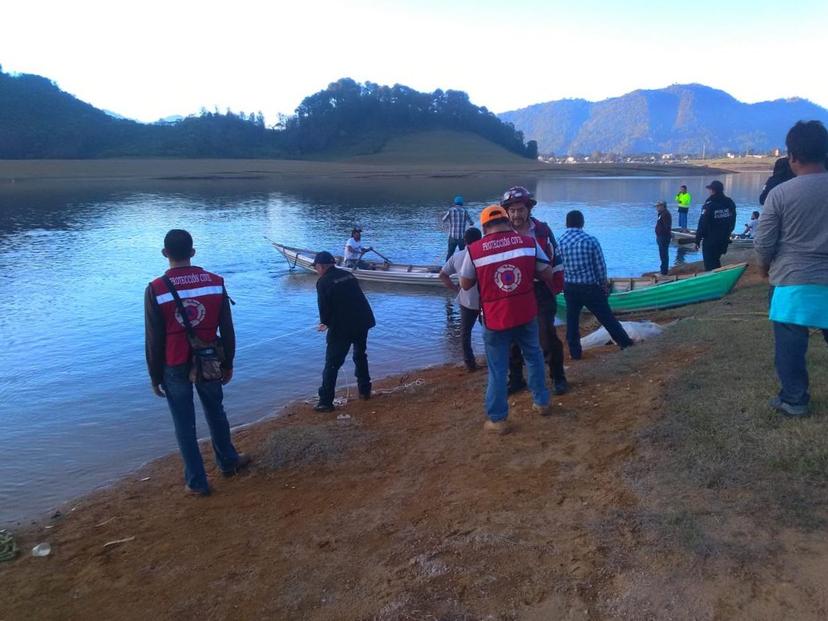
{"points": [[492, 212]]}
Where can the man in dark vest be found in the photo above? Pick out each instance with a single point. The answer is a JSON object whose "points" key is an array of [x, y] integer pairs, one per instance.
{"points": [[518, 202], [503, 265], [716, 223], [207, 307], [346, 316]]}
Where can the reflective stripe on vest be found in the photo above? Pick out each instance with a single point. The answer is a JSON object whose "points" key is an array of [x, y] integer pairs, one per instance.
{"points": [[505, 266], [202, 294]]}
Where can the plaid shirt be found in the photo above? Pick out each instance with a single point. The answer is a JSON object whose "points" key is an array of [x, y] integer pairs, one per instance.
{"points": [[457, 217], [583, 259]]}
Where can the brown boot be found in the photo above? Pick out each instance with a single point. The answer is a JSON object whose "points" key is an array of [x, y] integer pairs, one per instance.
{"points": [[500, 427]]}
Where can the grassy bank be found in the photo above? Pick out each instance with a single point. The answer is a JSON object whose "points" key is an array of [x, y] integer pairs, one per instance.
{"points": [[663, 487]]}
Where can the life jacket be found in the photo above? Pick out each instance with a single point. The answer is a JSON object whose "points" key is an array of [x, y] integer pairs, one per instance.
{"points": [[202, 294], [505, 266], [546, 240]]}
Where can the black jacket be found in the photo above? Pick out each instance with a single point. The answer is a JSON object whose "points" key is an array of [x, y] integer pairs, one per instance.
{"points": [[717, 220], [342, 305]]}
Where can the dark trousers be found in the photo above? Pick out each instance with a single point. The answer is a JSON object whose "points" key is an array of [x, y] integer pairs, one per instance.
{"points": [[467, 318], [335, 354], [179, 392], [791, 343], [682, 213], [594, 298], [454, 244], [712, 252], [664, 253], [551, 345]]}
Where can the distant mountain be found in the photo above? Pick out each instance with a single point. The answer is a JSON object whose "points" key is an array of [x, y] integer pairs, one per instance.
{"points": [[681, 119]]}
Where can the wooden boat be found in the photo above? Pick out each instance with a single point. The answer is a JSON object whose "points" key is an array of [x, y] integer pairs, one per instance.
{"points": [[689, 237], [392, 273], [629, 295]]}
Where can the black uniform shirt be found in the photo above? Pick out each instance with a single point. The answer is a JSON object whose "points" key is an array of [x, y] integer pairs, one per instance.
{"points": [[342, 305], [718, 219]]}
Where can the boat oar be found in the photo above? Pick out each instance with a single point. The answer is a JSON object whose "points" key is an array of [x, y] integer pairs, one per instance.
{"points": [[382, 256]]}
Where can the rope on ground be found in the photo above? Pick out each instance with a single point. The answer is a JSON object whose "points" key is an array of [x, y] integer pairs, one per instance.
{"points": [[342, 401], [8, 546]]}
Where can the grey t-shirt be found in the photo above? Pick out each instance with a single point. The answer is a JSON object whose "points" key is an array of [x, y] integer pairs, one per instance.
{"points": [[792, 236]]}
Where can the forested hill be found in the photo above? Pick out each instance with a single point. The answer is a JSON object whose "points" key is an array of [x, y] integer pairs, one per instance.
{"points": [[681, 119], [38, 120]]}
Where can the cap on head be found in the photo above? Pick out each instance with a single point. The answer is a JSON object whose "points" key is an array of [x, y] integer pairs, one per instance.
{"points": [[458, 200], [323, 258], [492, 213], [518, 194], [716, 186]]}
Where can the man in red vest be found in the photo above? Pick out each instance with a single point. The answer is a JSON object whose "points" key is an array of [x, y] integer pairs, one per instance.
{"points": [[518, 202], [503, 265], [206, 304]]}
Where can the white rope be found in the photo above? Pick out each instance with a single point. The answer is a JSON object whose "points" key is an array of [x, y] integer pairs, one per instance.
{"points": [[342, 401], [277, 337]]}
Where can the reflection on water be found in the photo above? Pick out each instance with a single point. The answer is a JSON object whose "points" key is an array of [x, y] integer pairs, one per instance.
{"points": [[75, 401]]}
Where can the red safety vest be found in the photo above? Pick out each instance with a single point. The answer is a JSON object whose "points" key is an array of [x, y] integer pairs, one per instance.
{"points": [[505, 266], [202, 294], [544, 236]]}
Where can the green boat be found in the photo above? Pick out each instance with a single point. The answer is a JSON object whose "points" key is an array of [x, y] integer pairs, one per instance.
{"points": [[630, 295]]}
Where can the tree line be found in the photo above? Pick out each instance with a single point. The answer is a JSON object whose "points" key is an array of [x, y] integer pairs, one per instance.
{"points": [[38, 120]]}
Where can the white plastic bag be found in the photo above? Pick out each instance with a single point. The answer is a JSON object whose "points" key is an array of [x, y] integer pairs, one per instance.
{"points": [[638, 331]]}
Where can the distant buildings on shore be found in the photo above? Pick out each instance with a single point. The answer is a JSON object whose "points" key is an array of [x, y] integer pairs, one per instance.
{"points": [[652, 158]]}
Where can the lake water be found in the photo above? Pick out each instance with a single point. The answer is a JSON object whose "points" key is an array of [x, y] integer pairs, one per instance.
{"points": [[75, 402]]}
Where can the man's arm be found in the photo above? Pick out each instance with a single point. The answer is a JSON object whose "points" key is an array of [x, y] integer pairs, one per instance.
{"points": [[701, 227], [468, 273], [155, 341], [323, 301], [732, 219], [600, 263], [468, 218], [767, 233], [228, 338], [446, 217], [445, 275]]}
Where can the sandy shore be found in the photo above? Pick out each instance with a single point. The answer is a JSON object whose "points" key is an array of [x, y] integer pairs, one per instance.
{"points": [[404, 509], [27, 171]]}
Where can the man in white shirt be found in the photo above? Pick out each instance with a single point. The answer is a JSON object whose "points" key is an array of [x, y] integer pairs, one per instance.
{"points": [[469, 300], [354, 250]]}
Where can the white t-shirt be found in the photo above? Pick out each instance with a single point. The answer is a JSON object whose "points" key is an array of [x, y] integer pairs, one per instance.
{"points": [[353, 250], [751, 230], [468, 298]]}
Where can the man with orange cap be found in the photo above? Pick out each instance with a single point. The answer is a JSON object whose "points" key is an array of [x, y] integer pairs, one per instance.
{"points": [[504, 265]]}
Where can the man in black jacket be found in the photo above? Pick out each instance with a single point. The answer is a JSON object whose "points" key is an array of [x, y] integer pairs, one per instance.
{"points": [[346, 315], [716, 223]]}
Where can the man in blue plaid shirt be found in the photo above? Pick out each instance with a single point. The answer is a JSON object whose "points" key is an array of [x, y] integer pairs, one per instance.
{"points": [[459, 220], [585, 284]]}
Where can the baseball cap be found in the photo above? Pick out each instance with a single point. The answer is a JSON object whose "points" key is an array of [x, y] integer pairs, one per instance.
{"points": [[458, 200], [323, 258], [717, 185], [493, 212]]}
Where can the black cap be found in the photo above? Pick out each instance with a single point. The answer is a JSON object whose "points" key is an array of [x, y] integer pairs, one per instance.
{"points": [[716, 186], [323, 258]]}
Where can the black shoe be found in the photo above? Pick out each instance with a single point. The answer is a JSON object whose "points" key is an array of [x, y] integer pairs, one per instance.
{"points": [[241, 464], [515, 387], [323, 407], [471, 367], [561, 386]]}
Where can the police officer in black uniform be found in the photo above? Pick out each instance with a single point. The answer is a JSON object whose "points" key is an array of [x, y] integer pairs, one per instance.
{"points": [[716, 223], [345, 314]]}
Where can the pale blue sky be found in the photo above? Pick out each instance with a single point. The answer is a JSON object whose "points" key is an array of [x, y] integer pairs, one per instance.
{"points": [[152, 59]]}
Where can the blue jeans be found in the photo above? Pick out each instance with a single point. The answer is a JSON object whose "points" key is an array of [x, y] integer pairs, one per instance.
{"points": [[682, 218], [498, 344], [791, 343], [594, 298], [179, 391]]}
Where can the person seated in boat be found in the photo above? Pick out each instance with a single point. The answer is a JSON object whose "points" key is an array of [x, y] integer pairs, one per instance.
{"points": [[750, 227], [354, 251]]}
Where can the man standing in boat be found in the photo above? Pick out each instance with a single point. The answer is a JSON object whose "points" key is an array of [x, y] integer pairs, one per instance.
{"points": [[518, 202], [469, 300], [354, 250], [684, 200], [716, 223], [663, 231], [458, 219], [347, 317], [792, 247], [504, 264], [586, 284]]}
